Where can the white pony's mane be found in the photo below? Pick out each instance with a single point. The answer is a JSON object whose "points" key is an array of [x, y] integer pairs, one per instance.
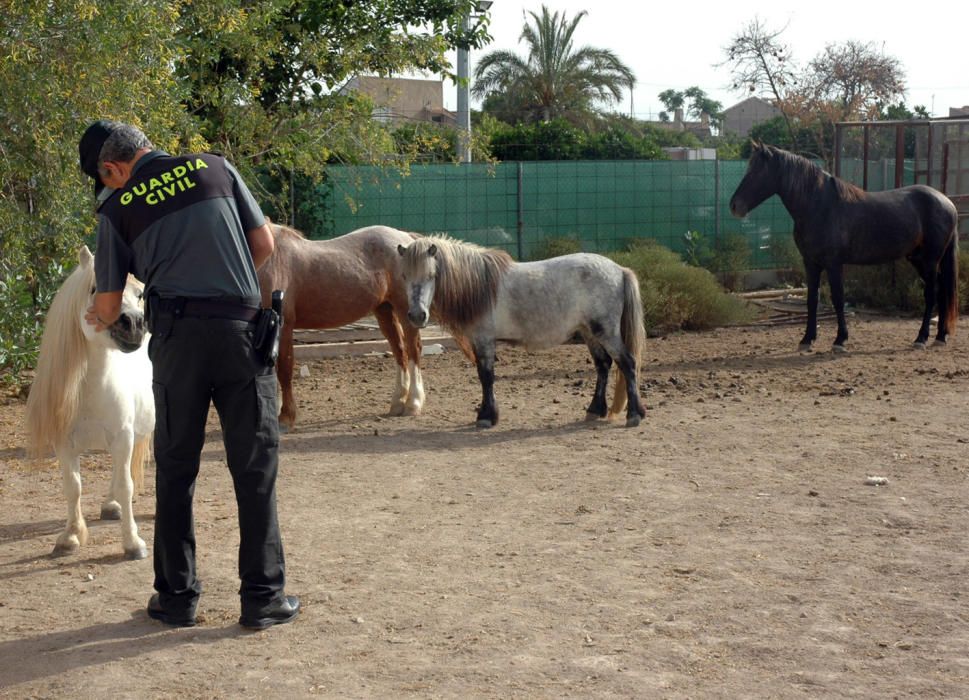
{"points": [[52, 405]]}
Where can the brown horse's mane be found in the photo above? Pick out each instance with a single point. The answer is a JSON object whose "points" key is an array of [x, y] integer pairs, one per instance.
{"points": [[281, 231], [467, 278]]}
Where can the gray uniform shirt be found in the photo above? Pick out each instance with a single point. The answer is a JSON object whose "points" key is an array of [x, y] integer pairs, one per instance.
{"points": [[179, 225]]}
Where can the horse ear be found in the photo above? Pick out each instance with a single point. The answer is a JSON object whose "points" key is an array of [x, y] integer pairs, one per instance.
{"points": [[84, 256], [432, 251], [401, 249]]}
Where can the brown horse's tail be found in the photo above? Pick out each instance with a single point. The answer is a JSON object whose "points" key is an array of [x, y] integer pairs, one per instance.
{"points": [[139, 456], [633, 334], [949, 286]]}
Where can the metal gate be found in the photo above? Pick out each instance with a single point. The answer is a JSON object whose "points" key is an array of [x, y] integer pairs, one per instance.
{"points": [[888, 154]]}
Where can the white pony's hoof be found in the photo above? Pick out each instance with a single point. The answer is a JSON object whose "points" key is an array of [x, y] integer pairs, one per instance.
{"points": [[396, 409], [412, 410], [110, 511], [918, 345], [68, 546], [137, 552], [839, 348]]}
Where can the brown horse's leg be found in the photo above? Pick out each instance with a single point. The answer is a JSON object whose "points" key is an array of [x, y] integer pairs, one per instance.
{"points": [[415, 392], [284, 373], [392, 332]]}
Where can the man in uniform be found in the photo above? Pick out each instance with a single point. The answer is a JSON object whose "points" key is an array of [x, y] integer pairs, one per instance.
{"points": [[188, 227]]}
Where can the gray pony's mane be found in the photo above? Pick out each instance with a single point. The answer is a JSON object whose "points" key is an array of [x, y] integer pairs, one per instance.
{"points": [[467, 278]]}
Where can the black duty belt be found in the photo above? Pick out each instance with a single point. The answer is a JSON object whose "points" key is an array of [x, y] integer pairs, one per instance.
{"points": [[219, 309], [202, 308]]}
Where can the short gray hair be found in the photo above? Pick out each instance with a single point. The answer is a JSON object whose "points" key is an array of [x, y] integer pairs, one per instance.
{"points": [[125, 140]]}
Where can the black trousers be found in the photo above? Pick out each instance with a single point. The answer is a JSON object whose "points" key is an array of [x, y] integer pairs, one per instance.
{"points": [[197, 361]]}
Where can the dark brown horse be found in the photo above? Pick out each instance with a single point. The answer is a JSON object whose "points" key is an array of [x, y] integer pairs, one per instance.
{"points": [[331, 283], [837, 223]]}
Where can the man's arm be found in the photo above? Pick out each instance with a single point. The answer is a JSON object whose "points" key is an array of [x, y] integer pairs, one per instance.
{"points": [[105, 310], [261, 244]]}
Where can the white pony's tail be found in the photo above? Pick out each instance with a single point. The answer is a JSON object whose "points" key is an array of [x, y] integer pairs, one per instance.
{"points": [[52, 404], [633, 336], [139, 457]]}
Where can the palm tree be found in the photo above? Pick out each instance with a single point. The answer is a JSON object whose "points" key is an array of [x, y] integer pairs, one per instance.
{"points": [[555, 80]]}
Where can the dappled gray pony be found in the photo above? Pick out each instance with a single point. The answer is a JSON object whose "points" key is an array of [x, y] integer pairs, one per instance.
{"points": [[484, 296], [837, 223]]}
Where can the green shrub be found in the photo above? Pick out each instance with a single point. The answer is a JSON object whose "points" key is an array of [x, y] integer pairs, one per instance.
{"points": [[27, 296], [676, 295], [890, 287], [730, 259], [554, 246], [787, 259]]}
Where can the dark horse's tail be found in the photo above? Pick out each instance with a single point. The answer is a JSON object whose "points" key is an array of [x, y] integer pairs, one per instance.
{"points": [[949, 285], [633, 335]]}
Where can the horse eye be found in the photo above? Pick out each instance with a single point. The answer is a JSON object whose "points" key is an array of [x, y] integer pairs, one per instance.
{"points": [[94, 290]]}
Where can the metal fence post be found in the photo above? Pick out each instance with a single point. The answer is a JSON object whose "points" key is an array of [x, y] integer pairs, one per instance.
{"points": [[716, 199], [521, 212]]}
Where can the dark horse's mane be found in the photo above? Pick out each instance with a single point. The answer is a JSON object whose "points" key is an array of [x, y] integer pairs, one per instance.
{"points": [[467, 279], [801, 179]]}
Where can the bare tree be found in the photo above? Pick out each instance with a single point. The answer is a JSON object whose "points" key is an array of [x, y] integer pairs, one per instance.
{"points": [[855, 80], [761, 64]]}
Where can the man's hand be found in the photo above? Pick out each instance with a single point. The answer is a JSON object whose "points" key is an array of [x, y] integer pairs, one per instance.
{"points": [[105, 311], [92, 318]]}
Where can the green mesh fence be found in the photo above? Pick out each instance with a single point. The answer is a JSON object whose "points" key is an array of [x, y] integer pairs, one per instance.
{"points": [[516, 206]]}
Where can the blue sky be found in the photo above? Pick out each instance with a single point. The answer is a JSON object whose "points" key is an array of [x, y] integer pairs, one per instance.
{"points": [[669, 45]]}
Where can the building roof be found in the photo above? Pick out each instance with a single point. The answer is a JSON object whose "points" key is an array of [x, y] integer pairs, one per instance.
{"points": [[749, 102]]}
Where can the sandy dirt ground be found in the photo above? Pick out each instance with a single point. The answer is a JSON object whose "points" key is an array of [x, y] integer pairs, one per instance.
{"points": [[728, 547]]}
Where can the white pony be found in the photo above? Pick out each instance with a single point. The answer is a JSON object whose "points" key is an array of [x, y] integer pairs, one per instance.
{"points": [[93, 392]]}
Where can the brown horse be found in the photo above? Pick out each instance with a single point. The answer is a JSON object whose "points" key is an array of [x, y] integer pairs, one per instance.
{"points": [[331, 283]]}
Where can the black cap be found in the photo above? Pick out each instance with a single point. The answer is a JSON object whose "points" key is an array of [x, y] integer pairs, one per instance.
{"points": [[90, 149]]}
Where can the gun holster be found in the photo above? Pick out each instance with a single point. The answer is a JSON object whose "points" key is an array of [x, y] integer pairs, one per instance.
{"points": [[269, 326]]}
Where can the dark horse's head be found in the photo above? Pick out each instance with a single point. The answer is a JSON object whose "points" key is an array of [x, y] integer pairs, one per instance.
{"points": [[760, 181]]}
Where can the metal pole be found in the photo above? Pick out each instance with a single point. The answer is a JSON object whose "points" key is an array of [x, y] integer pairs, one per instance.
{"points": [[521, 211], [464, 113]]}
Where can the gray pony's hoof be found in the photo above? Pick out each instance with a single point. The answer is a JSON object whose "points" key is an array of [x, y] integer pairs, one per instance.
{"points": [[633, 420], [919, 345], [592, 417], [484, 423], [839, 348], [140, 552], [804, 347], [939, 343], [110, 511]]}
